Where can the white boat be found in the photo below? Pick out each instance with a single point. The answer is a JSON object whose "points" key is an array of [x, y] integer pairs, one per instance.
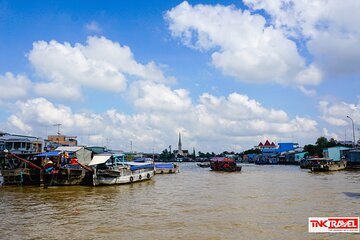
{"points": [[161, 168], [111, 169]]}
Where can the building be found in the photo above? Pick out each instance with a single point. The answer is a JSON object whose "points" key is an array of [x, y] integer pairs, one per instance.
{"points": [[20, 144], [180, 152], [352, 156], [334, 152], [54, 141], [266, 145]]}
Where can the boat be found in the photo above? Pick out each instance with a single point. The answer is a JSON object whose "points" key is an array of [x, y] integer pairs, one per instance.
{"points": [[65, 168], [111, 169], [305, 163], [204, 164], [326, 165], [1, 180], [224, 164], [161, 168], [267, 161]]}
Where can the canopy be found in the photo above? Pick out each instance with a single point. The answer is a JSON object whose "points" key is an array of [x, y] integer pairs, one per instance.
{"points": [[99, 159], [68, 148], [48, 154], [221, 159], [164, 165], [136, 166]]}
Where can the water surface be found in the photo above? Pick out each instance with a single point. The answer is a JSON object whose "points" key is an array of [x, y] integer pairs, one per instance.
{"points": [[261, 202]]}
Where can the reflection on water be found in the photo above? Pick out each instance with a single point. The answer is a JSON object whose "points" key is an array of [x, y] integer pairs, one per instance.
{"points": [[261, 202]]}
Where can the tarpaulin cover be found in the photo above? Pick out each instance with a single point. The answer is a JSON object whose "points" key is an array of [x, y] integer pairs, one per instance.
{"points": [[48, 154], [142, 159], [138, 167], [164, 165], [99, 159], [221, 159]]}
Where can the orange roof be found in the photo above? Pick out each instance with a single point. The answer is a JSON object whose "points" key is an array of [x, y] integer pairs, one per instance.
{"points": [[260, 144]]}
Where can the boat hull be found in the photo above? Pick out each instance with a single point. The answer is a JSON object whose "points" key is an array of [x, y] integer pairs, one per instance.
{"points": [[330, 167], [124, 179]]}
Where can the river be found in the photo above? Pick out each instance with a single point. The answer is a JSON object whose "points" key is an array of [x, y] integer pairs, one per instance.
{"points": [[260, 202]]}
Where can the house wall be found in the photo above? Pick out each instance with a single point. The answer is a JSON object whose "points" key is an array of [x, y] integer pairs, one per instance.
{"points": [[333, 153]]}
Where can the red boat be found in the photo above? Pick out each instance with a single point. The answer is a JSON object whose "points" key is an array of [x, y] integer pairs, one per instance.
{"points": [[224, 164]]}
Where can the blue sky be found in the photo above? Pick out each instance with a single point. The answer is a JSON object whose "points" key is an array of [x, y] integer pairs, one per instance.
{"points": [[227, 74]]}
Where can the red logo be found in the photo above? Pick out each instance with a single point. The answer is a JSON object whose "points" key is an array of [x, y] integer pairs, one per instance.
{"points": [[333, 224]]}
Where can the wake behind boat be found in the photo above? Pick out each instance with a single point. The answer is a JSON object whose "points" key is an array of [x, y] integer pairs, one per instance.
{"points": [[110, 169]]}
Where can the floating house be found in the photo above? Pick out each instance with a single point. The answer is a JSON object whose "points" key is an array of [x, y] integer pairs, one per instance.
{"points": [[352, 156], [334, 153]]}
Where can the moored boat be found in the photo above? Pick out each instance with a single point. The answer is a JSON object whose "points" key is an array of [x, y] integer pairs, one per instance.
{"points": [[161, 168], [110, 169], [224, 164], [326, 165], [204, 164]]}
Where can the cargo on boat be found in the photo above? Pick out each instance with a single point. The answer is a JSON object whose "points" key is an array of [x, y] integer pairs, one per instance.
{"points": [[224, 164]]}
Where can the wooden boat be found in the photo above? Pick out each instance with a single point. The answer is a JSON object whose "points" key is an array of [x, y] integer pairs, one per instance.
{"points": [[161, 168], [63, 169], [224, 164], [18, 170], [110, 169], [204, 164], [326, 165]]}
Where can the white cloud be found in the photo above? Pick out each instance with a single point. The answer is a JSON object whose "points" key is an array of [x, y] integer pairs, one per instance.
{"points": [[243, 45], [330, 27], [149, 96], [213, 123], [335, 113], [93, 26], [14, 87], [100, 64]]}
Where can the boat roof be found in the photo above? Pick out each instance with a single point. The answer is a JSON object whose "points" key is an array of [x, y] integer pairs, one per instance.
{"points": [[48, 154], [221, 159], [99, 159], [68, 148]]}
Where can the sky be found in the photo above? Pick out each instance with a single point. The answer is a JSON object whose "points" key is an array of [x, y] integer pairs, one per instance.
{"points": [[226, 74]]}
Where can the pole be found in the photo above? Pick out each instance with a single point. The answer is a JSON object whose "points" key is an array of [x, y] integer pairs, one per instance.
{"points": [[353, 130]]}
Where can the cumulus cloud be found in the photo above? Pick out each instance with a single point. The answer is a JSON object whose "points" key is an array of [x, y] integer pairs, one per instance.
{"points": [[100, 64], [335, 113], [243, 44], [329, 28], [149, 96], [212, 123], [14, 87]]}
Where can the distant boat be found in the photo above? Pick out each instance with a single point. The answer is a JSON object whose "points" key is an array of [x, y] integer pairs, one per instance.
{"points": [[161, 168], [204, 164], [224, 164], [1, 179], [111, 169], [326, 165], [267, 161]]}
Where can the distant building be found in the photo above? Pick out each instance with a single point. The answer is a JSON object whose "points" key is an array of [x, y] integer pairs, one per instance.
{"points": [[267, 144], [20, 144], [55, 141], [180, 152]]}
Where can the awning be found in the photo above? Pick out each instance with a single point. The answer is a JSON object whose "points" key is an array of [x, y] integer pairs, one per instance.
{"points": [[48, 154], [99, 159], [68, 148]]}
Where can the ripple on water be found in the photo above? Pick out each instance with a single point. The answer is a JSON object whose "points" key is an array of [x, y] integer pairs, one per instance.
{"points": [[261, 202]]}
